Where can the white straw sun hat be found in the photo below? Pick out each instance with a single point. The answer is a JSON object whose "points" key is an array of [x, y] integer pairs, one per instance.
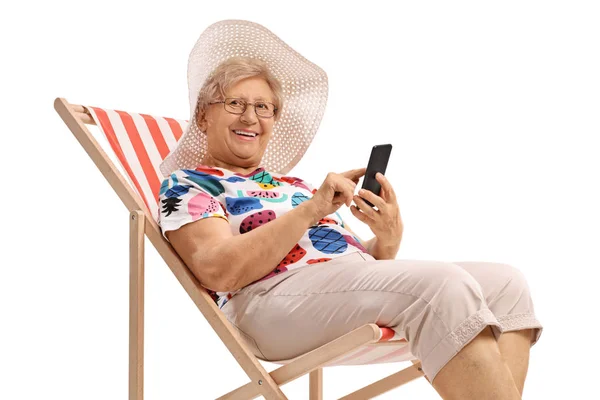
{"points": [[304, 92]]}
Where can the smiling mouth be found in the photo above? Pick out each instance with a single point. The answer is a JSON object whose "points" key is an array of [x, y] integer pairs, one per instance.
{"points": [[245, 135]]}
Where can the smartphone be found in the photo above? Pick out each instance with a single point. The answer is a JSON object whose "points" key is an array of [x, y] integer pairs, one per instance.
{"points": [[378, 161]]}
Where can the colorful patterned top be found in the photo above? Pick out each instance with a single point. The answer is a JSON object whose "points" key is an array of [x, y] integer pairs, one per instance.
{"points": [[249, 201]]}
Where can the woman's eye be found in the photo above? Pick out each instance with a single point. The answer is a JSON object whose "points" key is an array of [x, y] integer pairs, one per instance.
{"points": [[261, 105]]}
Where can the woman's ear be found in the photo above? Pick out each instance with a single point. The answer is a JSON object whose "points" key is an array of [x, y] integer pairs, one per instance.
{"points": [[201, 122]]}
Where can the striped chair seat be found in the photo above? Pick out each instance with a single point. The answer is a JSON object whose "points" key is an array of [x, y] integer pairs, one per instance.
{"points": [[141, 142], [388, 349]]}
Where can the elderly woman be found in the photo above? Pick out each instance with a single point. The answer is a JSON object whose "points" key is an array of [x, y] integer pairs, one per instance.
{"points": [[277, 258]]}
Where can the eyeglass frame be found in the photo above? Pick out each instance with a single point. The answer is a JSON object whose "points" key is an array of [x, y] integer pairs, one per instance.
{"points": [[247, 103]]}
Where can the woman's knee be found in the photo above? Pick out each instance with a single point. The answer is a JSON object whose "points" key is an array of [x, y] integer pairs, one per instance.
{"points": [[514, 296], [505, 287], [516, 285]]}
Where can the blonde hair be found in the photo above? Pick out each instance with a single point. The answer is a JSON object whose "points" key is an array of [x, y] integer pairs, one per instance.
{"points": [[230, 72]]}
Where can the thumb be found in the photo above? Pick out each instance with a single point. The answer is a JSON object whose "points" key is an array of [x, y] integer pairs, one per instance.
{"points": [[355, 173]]}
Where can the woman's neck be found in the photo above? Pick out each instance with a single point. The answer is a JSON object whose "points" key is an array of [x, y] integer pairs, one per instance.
{"points": [[211, 162]]}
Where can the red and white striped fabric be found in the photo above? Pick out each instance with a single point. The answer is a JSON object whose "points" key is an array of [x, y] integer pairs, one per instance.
{"points": [[388, 349], [141, 142]]}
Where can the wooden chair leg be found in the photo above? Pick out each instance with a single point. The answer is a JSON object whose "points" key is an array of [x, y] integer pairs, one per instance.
{"points": [[386, 384], [316, 384], [136, 305]]}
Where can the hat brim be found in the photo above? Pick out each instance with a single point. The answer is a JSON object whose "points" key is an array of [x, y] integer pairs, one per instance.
{"points": [[304, 92]]}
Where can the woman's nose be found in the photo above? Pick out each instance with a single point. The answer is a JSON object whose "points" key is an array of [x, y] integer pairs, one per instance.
{"points": [[249, 116]]}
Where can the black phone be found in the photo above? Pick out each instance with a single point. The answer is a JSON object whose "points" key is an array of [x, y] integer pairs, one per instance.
{"points": [[378, 161]]}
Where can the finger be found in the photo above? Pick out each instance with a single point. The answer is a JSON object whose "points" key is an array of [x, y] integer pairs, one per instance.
{"points": [[390, 195], [349, 188], [359, 214], [372, 198], [352, 183], [355, 173], [365, 208], [343, 194], [350, 193]]}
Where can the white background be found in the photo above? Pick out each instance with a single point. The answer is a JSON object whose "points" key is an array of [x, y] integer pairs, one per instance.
{"points": [[492, 109]]}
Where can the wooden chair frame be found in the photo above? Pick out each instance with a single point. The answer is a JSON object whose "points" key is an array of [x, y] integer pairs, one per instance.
{"points": [[261, 382]]}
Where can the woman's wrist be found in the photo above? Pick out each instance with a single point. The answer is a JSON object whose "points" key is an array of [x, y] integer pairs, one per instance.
{"points": [[381, 250], [310, 211]]}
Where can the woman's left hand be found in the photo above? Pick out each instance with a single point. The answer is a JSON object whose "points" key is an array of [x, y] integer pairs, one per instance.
{"points": [[386, 223]]}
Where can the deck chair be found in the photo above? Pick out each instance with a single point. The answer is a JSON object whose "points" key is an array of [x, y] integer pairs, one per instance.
{"points": [[140, 142]]}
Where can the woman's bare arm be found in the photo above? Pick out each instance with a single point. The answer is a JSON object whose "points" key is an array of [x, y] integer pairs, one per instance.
{"points": [[224, 262]]}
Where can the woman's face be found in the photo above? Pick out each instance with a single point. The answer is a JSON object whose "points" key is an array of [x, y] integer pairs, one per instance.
{"points": [[228, 150]]}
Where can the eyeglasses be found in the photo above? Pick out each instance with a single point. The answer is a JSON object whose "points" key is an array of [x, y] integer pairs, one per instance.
{"points": [[262, 109]]}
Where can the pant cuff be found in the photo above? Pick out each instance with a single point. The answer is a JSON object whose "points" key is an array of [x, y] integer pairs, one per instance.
{"points": [[516, 322], [454, 342]]}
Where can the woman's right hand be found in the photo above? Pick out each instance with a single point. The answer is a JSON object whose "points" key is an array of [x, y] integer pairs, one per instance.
{"points": [[335, 190]]}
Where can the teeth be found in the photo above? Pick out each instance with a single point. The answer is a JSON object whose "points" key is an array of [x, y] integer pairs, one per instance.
{"points": [[245, 134]]}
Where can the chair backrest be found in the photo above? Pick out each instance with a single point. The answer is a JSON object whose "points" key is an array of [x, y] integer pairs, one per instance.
{"points": [[140, 142]]}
